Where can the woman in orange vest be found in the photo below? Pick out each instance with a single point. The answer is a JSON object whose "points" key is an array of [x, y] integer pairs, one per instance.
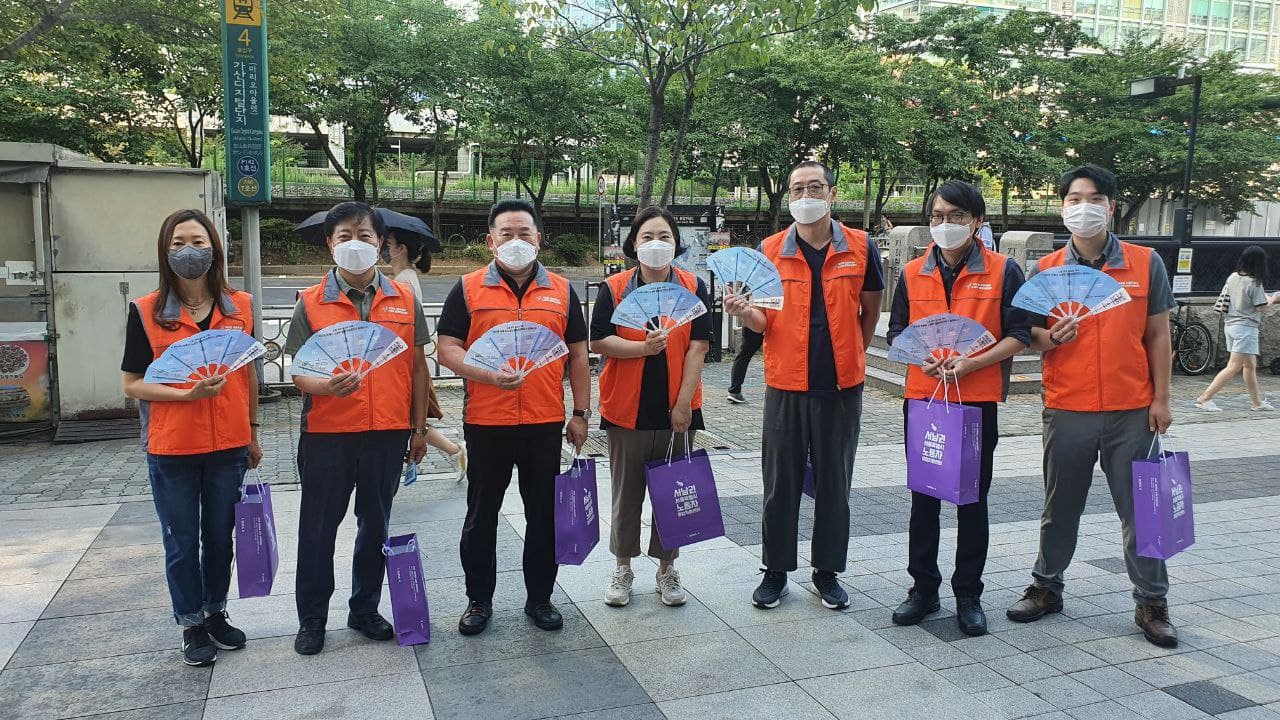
{"points": [[199, 438], [958, 275], [650, 394]]}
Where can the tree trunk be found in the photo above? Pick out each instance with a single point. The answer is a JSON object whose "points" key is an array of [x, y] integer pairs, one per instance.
{"points": [[1004, 206], [673, 175], [337, 165], [577, 202], [775, 200], [866, 196], [657, 103], [617, 182], [546, 180], [759, 197], [715, 181], [882, 192]]}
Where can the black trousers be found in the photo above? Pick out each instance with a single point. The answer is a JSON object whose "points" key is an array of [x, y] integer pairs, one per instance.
{"points": [[494, 452], [972, 531], [332, 465], [751, 342]]}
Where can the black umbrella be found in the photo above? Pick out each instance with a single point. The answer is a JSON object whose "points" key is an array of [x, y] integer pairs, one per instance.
{"points": [[407, 228]]}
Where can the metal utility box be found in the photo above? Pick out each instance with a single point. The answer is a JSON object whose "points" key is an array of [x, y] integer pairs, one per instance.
{"points": [[88, 231]]}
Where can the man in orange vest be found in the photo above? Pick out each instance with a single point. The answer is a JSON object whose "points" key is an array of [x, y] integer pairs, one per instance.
{"points": [[510, 422], [814, 366], [1106, 394], [958, 274], [354, 431]]}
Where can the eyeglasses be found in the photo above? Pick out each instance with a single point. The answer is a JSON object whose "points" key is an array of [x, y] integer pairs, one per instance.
{"points": [[813, 190], [959, 217]]}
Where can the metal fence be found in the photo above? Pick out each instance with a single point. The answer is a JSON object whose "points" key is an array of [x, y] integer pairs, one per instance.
{"points": [[1212, 261]]}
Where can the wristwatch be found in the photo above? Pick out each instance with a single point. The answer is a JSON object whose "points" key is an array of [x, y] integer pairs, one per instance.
{"points": [[584, 414]]}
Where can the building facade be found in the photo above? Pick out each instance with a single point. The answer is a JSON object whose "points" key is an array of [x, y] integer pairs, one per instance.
{"points": [[1248, 28]]}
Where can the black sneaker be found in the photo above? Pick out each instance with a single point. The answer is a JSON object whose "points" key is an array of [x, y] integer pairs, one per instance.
{"points": [[223, 633], [371, 625], [197, 649], [830, 590], [310, 639], [736, 398], [772, 588]]}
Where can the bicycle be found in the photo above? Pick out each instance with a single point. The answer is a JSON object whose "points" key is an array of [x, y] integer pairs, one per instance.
{"points": [[1194, 347]]}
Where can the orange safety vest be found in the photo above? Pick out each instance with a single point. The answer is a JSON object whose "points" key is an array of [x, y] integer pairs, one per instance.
{"points": [[195, 427], [976, 293], [384, 399], [786, 334], [1077, 375], [491, 302], [620, 378]]}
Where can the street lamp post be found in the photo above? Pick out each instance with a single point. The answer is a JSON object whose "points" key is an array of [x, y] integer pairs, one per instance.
{"points": [[1164, 86]]}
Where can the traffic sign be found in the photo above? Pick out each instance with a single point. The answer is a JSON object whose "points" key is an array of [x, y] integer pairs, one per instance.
{"points": [[246, 119]]}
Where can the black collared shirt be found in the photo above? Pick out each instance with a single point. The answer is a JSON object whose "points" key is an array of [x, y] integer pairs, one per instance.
{"points": [[455, 321]]}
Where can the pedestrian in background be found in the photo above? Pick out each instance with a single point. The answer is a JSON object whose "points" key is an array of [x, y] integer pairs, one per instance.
{"points": [[199, 438], [408, 257], [1247, 298], [751, 343], [650, 395]]}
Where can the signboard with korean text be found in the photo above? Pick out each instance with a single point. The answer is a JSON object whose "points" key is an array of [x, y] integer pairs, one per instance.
{"points": [[245, 114]]}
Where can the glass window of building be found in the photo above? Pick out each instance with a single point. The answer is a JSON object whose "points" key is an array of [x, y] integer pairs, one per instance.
{"points": [[1258, 49], [1153, 10], [1217, 42], [1107, 33], [1261, 17], [1086, 7], [1132, 9], [1199, 12], [1109, 8], [1240, 16], [1238, 45], [1221, 13], [1198, 40]]}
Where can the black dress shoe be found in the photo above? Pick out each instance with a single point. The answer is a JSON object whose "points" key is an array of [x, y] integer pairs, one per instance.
{"points": [[970, 617], [545, 615], [476, 618], [915, 608], [371, 625], [310, 639]]}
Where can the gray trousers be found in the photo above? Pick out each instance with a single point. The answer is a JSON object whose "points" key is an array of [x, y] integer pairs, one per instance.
{"points": [[823, 430], [1073, 443], [629, 450]]}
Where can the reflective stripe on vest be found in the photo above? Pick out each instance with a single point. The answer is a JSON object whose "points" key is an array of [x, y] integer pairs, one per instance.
{"points": [[975, 295], [195, 427], [490, 302], [621, 378], [385, 396], [1105, 368], [786, 335]]}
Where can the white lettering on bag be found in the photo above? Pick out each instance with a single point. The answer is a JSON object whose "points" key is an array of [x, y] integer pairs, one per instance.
{"points": [[935, 446], [686, 500]]}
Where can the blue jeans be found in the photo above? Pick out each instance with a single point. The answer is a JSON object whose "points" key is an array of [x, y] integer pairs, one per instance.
{"points": [[195, 498]]}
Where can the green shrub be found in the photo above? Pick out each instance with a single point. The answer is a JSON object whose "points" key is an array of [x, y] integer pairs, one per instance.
{"points": [[573, 249], [478, 253]]}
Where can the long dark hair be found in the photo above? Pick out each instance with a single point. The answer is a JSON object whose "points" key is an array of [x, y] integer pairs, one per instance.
{"points": [[415, 251], [1253, 262], [215, 278]]}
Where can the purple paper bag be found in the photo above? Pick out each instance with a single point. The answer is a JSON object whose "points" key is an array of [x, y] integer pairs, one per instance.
{"points": [[807, 488], [944, 450], [257, 556], [1162, 510], [577, 515], [408, 593], [686, 508]]}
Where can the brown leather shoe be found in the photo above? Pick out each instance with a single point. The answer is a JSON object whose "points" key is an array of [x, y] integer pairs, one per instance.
{"points": [[1037, 601], [1154, 621]]}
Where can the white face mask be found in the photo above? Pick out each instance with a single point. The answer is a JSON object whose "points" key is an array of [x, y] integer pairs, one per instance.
{"points": [[355, 256], [949, 236], [656, 253], [807, 210], [516, 254], [1085, 220]]}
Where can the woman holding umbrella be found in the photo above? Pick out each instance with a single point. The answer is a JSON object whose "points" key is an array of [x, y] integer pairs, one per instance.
{"points": [[408, 256]]}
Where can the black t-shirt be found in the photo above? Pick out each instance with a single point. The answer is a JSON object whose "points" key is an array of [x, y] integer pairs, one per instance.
{"points": [[455, 321], [822, 358], [653, 413], [137, 347]]}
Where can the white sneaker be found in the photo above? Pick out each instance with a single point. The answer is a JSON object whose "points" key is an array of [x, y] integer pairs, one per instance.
{"points": [[619, 592], [1208, 406], [669, 587], [459, 460], [1265, 407]]}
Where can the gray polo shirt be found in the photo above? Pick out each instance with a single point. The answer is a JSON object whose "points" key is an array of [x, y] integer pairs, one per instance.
{"points": [[1159, 292], [300, 329]]}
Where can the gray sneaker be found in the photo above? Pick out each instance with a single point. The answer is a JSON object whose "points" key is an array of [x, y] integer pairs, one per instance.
{"points": [[619, 592], [669, 587]]}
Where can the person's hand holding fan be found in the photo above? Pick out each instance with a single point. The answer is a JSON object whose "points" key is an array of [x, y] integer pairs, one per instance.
{"points": [[933, 341], [203, 358], [515, 349], [344, 353], [1070, 292], [658, 307], [749, 274]]}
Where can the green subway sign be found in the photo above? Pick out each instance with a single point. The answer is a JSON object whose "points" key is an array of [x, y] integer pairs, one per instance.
{"points": [[245, 118]]}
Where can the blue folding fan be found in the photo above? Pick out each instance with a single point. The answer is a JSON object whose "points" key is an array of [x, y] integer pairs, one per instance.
{"points": [[1070, 291], [520, 346], [212, 353], [658, 306], [940, 336], [748, 273], [354, 346]]}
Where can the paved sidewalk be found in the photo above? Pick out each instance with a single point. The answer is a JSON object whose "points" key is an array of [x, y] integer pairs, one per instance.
{"points": [[85, 629]]}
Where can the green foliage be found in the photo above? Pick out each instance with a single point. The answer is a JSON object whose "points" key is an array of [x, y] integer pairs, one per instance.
{"points": [[571, 249], [478, 253]]}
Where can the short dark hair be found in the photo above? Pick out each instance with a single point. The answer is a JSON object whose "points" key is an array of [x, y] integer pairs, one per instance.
{"points": [[1103, 179], [1253, 262], [962, 195], [353, 210], [506, 206], [644, 216], [827, 176]]}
